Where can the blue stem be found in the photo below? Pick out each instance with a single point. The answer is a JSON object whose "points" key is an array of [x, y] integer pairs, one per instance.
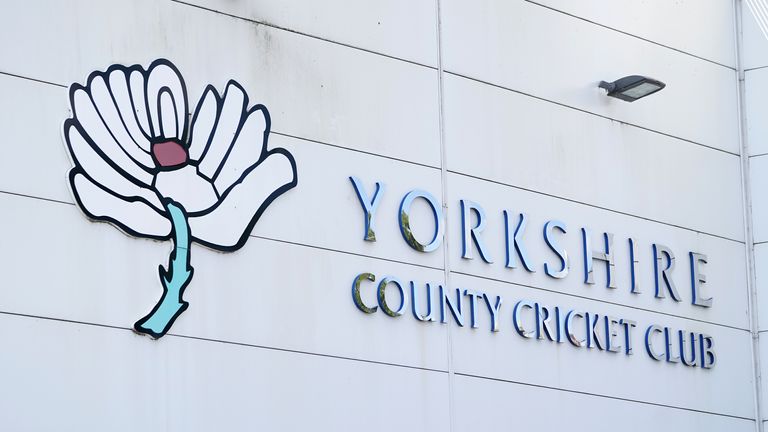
{"points": [[174, 280]]}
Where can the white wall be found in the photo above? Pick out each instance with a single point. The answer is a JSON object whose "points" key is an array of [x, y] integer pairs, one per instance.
{"points": [[272, 340], [755, 61]]}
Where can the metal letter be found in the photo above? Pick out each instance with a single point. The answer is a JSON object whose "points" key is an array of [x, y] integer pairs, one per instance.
{"points": [[569, 317], [405, 223], [593, 330], [590, 255], [688, 348], [649, 343], [517, 243], [369, 206], [668, 341], [634, 285], [559, 324], [628, 325], [458, 315], [473, 299], [494, 309], [698, 279], [472, 234], [708, 357], [611, 333], [414, 304], [544, 324], [518, 321], [356, 292], [663, 275], [383, 300], [549, 227]]}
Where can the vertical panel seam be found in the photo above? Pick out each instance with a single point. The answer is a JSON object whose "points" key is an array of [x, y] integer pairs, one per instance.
{"points": [[444, 198], [747, 215]]}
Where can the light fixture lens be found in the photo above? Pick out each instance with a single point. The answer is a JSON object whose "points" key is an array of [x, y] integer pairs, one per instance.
{"points": [[643, 89], [631, 88]]}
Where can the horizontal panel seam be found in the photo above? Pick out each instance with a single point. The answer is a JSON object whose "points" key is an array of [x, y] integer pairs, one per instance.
{"points": [[486, 180], [21, 195], [306, 245], [225, 342], [270, 25], [347, 252], [499, 86], [602, 396], [353, 359], [553, 9], [568, 294], [338, 146], [595, 206], [32, 79]]}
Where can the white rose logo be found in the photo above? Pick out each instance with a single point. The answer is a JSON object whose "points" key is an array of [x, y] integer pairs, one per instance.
{"points": [[142, 165]]}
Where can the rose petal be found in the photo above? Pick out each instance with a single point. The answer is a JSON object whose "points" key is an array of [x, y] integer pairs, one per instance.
{"points": [[102, 99], [99, 137], [228, 225], [206, 113], [169, 125], [118, 85], [137, 84], [162, 78], [232, 114], [246, 150], [134, 217], [101, 171]]}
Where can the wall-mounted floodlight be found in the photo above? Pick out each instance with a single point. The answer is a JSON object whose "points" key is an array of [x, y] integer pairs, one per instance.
{"points": [[632, 88]]}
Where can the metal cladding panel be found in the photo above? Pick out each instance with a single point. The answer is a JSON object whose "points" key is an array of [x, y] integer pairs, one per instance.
{"points": [[759, 177], [314, 89], [531, 144], [754, 37], [726, 282], [761, 274], [404, 29], [516, 55], [710, 24], [110, 379], [569, 411], [270, 293], [635, 377], [756, 85]]}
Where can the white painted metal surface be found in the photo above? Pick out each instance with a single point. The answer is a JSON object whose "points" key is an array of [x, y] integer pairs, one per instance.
{"points": [[272, 339]]}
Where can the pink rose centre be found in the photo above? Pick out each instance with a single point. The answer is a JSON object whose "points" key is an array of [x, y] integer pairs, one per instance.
{"points": [[169, 154]]}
